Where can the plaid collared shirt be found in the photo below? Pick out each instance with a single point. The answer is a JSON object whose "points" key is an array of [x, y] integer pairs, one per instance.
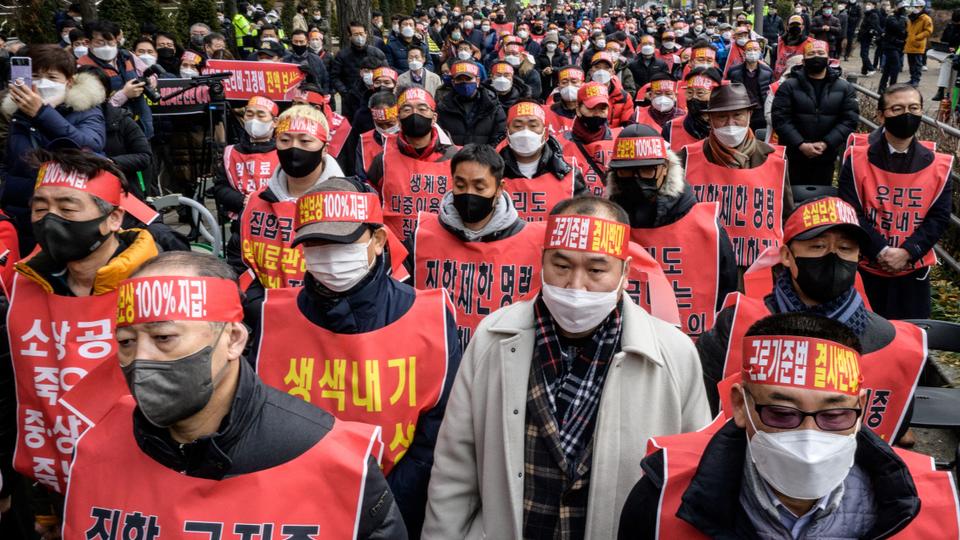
{"points": [[563, 398]]}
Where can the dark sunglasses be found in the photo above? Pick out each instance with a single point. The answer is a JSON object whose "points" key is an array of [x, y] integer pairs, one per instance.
{"points": [[781, 417]]}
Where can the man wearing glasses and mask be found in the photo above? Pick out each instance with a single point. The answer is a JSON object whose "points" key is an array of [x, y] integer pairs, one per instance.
{"points": [[790, 460], [901, 192]]}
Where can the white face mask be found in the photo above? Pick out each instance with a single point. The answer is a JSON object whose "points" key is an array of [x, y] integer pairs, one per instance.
{"points": [[805, 463], [601, 76], [485, 28], [512, 59], [669, 45], [338, 266], [523, 34], [646, 50], [730, 136], [741, 41], [501, 84], [726, 36], [51, 92], [569, 93], [575, 48], [600, 44], [393, 130], [367, 78], [752, 56], [148, 59], [698, 28], [662, 103], [257, 129], [577, 311], [106, 53], [406, 32], [415, 65], [189, 73], [79, 51], [464, 55], [316, 44], [551, 47], [525, 142], [468, 25]]}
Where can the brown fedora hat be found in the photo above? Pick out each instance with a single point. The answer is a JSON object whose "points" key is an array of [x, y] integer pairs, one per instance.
{"points": [[730, 97]]}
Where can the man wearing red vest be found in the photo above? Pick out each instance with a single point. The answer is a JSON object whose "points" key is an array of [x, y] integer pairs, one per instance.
{"points": [[590, 142], [204, 435], [746, 176], [693, 126], [478, 248], [537, 441], [536, 174], [901, 191], [356, 342], [816, 274], [60, 319], [663, 102], [562, 113], [249, 164], [792, 43], [789, 459], [412, 173], [683, 235], [383, 110]]}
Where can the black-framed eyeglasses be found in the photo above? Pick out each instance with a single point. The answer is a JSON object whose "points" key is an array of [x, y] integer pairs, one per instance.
{"points": [[913, 108], [782, 417]]}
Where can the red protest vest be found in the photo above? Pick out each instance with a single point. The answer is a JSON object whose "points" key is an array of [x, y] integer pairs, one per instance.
{"points": [[890, 374], [54, 341], [896, 204], [500, 28], [688, 250], [481, 277], [751, 200], [861, 139], [784, 52], [643, 117], [681, 458], [735, 57], [557, 123], [671, 59], [649, 286], [386, 377], [758, 279], [679, 137], [534, 197], [339, 131], [369, 148], [266, 235], [249, 173], [410, 186], [600, 153], [162, 503]]}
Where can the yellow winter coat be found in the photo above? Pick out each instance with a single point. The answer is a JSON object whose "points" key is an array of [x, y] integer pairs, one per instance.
{"points": [[918, 31]]}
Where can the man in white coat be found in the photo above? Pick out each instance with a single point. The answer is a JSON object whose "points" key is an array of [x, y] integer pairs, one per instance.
{"points": [[550, 413]]}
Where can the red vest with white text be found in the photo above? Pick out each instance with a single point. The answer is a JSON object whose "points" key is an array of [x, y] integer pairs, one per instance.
{"points": [[859, 139], [535, 197], [339, 131], [688, 250], [557, 123], [890, 374], [896, 204], [410, 186], [599, 153], [481, 277], [679, 137], [643, 117], [386, 377], [54, 341], [681, 458], [316, 495], [784, 52], [751, 200], [249, 173], [369, 148]]}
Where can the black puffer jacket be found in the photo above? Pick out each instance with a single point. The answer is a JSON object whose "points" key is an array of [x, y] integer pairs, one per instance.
{"points": [[345, 67], [479, 120], [129, 148], [799, 116], [894, 31], [642, 70]]}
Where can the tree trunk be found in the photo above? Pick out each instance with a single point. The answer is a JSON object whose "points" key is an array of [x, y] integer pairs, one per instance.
{"points": [[88, 10], [758, 17], [351, 10]]}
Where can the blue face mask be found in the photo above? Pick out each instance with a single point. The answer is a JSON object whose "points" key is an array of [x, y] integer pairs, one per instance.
{"points": [[465, 89]]}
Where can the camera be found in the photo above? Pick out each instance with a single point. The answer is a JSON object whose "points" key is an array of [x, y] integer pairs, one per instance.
{"points": [[148, 90]]}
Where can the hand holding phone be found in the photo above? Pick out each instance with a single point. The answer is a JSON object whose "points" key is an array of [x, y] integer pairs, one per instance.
{"points": [[21, 71]]}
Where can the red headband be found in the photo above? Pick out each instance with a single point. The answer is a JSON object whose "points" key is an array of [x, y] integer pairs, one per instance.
{"points": [[416, 94], [387, 114], [385, 72], [311, 97], [663, 84], [501, 68], [569, 73], [801, 362], [190, 57], [705, 52], [587, 233], [699, 81], [339, 207], [178, 298], [526, 109], [826, 211], [302, 124], [637, 148], [104, 185], [465, 68], [260, 102], [815, 44]]}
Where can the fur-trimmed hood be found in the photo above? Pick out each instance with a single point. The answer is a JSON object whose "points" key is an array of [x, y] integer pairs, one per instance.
{"points": [[85, 93]]}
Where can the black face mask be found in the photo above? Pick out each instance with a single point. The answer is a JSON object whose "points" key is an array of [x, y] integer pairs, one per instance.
{"points": [[593, 123], [298, 162], [638, 196], [696, 106], [196, 41], [166, 53], [902, 126], [825, 278], [415, 125], [794, 30], [473, 208], [67, 241], [299, 49], [815, 64]]}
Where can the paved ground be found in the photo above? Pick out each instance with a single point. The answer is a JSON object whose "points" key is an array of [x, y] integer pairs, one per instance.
{"points": [[928, 82]]}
